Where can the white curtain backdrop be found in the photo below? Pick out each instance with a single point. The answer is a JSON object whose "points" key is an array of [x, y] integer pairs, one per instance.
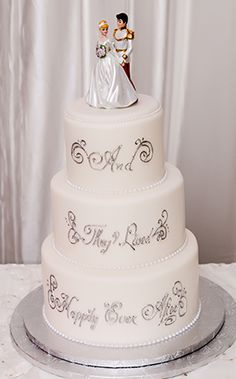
{"points": [[184, 55]]}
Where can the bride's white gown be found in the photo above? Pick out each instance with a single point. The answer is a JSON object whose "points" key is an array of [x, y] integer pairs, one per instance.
{"points": [[109, 84]]}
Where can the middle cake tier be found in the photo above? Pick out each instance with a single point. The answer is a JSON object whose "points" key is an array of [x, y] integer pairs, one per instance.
{"points": [[119, 231]]}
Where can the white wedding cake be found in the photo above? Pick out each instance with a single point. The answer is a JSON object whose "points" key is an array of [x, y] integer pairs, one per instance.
{"points": [[119, 269]]}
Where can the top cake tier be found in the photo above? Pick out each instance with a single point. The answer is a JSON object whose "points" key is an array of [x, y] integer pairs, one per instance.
{"points": [[114, 150]]}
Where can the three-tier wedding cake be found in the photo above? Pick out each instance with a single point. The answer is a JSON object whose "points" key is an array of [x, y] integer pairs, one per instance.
{"points": [[119, 269]]}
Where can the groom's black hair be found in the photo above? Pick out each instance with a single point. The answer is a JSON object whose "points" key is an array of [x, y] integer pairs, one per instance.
{"points": [[123, 17]]}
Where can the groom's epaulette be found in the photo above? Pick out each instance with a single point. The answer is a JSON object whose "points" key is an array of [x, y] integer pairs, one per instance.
{"points": [[130, 34], [115, 30]]}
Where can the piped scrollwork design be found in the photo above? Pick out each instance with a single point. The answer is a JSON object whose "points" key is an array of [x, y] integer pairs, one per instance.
{"points": [[78, 151], [97, 235], [171, 307], [111, 158], [53, 301], [73, 235], [145, 150], [70, 306], [179, 291], [162, 229]]}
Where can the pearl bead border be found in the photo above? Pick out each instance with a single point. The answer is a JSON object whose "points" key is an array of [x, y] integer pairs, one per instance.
{"points": [[131, 267], [118, 192], [147, 343]]}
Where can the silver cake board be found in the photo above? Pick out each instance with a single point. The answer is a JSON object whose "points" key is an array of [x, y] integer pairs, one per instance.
{"points": [[212, 334]]}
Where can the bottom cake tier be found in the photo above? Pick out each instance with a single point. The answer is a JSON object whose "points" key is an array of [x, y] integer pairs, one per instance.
{"points": [[121, 308]]}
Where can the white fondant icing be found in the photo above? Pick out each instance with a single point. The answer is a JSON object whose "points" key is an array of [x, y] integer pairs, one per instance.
{"points": [[79, 111], [121, 307], [119, 192], [160, 260], [129, 229], [120, 270], [114, 150], [153, 342]]}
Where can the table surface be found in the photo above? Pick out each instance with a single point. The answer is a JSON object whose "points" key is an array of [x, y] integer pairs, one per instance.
{"points": [[18, 280]]}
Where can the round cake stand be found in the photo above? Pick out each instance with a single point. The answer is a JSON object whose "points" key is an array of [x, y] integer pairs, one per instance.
{"points": [[212, 334]]}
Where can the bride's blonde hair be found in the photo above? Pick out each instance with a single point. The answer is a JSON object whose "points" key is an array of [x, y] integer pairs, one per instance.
{"points": [[103, 24]]}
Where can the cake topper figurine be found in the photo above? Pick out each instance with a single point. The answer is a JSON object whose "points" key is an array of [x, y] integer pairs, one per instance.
{"points": [[110, 86], [122, 39]]}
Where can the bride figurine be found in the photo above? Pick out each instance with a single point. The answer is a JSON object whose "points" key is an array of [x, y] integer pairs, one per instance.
{"points": [[109, 85]]}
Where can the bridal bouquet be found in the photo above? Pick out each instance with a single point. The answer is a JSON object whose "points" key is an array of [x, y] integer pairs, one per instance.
{"points": [[100, 51]]}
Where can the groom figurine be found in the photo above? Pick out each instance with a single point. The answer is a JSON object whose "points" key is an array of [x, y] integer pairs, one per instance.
{"points": [[123, 42]]}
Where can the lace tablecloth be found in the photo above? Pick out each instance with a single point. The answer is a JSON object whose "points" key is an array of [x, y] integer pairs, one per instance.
{"points": [[16, 281]]}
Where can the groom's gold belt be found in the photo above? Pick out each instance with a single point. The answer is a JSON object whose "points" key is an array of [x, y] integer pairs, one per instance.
{"points": [[119, 50]]}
